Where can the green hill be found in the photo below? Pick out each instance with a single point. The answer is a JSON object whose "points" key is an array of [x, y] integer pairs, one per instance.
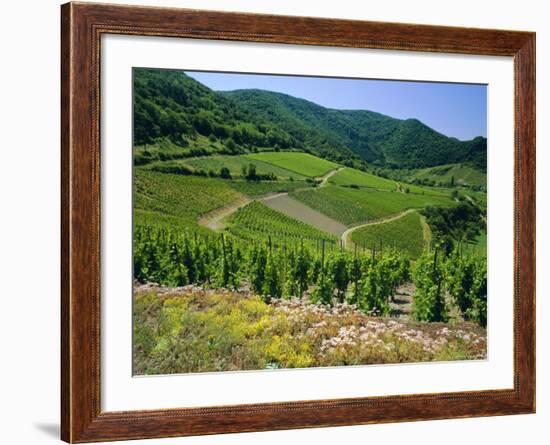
{"points": [[177, 117], [373, 136]]}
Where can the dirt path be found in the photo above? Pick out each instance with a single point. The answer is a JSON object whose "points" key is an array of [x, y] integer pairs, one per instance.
{"points": [[348, 232], [283, 203], [324, 179], [214, 219], [269, 197], [401, 303], [426, 232]]}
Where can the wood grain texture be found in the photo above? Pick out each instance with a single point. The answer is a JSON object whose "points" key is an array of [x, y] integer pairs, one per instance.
{"points": [[82, 26]]}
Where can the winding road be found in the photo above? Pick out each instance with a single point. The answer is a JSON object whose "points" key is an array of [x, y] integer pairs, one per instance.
{"points": [[214, 219], [281, 202], [324, 179]]}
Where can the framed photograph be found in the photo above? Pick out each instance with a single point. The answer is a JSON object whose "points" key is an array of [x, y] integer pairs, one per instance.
{"points": [[275, 222]]}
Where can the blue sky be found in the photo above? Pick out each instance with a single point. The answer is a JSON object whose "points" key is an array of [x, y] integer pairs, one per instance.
{"points": [[458, 110]]}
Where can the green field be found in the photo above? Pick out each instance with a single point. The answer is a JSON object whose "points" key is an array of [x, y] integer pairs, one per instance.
{"points": [[301, 163], [177, 199], [256, 221], [351, 176], [351, 206], [235, 165], [358, 178], [444, 174], [404, 234]]}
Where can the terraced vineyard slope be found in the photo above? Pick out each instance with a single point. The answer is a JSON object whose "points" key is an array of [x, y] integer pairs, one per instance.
{"points": [[352, 206], [258, 222], [404, 233]]}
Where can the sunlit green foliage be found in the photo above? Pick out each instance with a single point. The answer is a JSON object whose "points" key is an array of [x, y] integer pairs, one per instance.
{"points": [[374, 137], [459, 224], [182, 197], [451, 175], [351, 176], [256, 221], [405, 234], [301, 163], [466, 277], [429, 297], [260, 188], [275, 263], [235, 165], [357, 179], [352, 206]]}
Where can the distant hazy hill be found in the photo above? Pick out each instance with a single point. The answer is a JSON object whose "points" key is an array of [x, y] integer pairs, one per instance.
{"points": [[170, 105]]}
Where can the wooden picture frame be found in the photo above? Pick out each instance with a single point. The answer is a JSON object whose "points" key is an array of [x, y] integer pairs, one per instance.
{"points": [[82, 25]]}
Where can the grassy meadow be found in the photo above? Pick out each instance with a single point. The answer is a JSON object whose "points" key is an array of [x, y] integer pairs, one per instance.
{"points": [[302, 163]]}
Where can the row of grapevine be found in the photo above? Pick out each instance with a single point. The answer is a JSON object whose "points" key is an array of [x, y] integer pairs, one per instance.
{"points": [[365, 277], [256, 221], [457, 279]]}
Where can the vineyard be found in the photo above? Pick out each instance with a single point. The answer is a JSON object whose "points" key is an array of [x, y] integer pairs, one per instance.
{"points": [[315, 269], [405, 234], [351, 176], [257, 222], [270, 291], [183, 198], [233, 305], [260, 188], [352, 206], [271, 232], [235, 165], [301, 163], [451, 174]]}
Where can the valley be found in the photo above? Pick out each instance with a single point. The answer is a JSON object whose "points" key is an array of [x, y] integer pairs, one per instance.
{"points": [[262, 203]]}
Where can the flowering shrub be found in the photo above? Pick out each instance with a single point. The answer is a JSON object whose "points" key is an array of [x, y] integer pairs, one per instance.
{"points": [[191, 329]]}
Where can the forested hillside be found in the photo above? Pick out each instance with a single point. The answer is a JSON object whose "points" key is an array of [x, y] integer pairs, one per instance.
{"points": [[175, 116], [180, 117], [376, 138]]}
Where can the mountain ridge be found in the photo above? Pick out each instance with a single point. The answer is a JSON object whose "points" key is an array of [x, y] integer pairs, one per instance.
{"points": [[375, 137], [170, 105]]}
